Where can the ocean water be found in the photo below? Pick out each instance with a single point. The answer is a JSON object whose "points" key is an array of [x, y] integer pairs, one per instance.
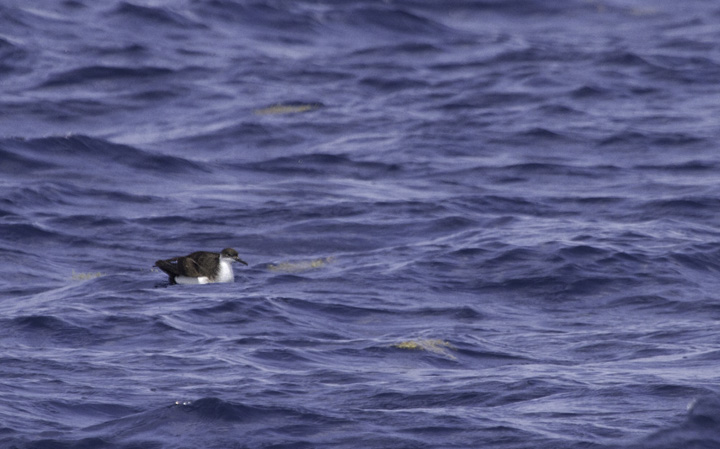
{"points": [[469, 224]]}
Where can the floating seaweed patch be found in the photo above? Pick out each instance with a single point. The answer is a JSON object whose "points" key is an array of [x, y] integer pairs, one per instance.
{"points": [[436, 346], [85, 276], [304, 265], [288, 108]]}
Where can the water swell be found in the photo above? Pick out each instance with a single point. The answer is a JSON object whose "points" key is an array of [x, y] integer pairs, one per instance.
{"points": [[95, 74], [74, 151], [140, 16], [699, 429], [12, 57]]}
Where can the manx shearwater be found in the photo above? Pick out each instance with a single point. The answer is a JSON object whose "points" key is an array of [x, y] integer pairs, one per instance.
{"points": [[201, 267]]}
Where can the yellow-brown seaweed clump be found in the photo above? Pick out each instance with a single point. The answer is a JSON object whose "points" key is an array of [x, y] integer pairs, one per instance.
{"points": [[85, 276], [287, 109], [436, 346], [303, 265]]}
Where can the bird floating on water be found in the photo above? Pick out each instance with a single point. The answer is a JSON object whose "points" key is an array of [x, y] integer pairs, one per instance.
{"points": [[201, 267]]}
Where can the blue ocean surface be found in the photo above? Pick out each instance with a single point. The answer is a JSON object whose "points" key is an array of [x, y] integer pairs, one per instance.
{"points": [[469, 224]]}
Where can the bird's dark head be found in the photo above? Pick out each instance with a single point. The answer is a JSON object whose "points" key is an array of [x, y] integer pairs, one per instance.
{"points": [[230, 253]]}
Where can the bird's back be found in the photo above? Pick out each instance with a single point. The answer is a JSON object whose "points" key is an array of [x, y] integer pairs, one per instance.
{"points": [[199, 263]]}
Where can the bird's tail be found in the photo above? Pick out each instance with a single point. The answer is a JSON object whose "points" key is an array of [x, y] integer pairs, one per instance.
{"points": [[170, 268]]}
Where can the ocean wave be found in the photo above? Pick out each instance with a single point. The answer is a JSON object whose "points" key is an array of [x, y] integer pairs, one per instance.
{"points": [[12, 56], [135, 15], [699, 429], [76, 151], [94, 74]]}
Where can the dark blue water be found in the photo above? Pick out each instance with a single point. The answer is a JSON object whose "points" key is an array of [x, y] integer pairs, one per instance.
{"points": [[469, 224]]}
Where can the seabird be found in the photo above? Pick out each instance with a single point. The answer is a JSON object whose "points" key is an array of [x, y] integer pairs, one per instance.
{"points": [[201, 267]]}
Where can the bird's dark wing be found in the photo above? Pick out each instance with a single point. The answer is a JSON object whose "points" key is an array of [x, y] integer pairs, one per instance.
{"points": [[195, 264], [168, 266]]}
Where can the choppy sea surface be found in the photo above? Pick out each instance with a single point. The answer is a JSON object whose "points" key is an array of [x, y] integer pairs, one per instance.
{"points": [[469, 224]]}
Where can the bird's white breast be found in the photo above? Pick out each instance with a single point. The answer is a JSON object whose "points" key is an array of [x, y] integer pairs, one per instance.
{"points": [[225, 274]]}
